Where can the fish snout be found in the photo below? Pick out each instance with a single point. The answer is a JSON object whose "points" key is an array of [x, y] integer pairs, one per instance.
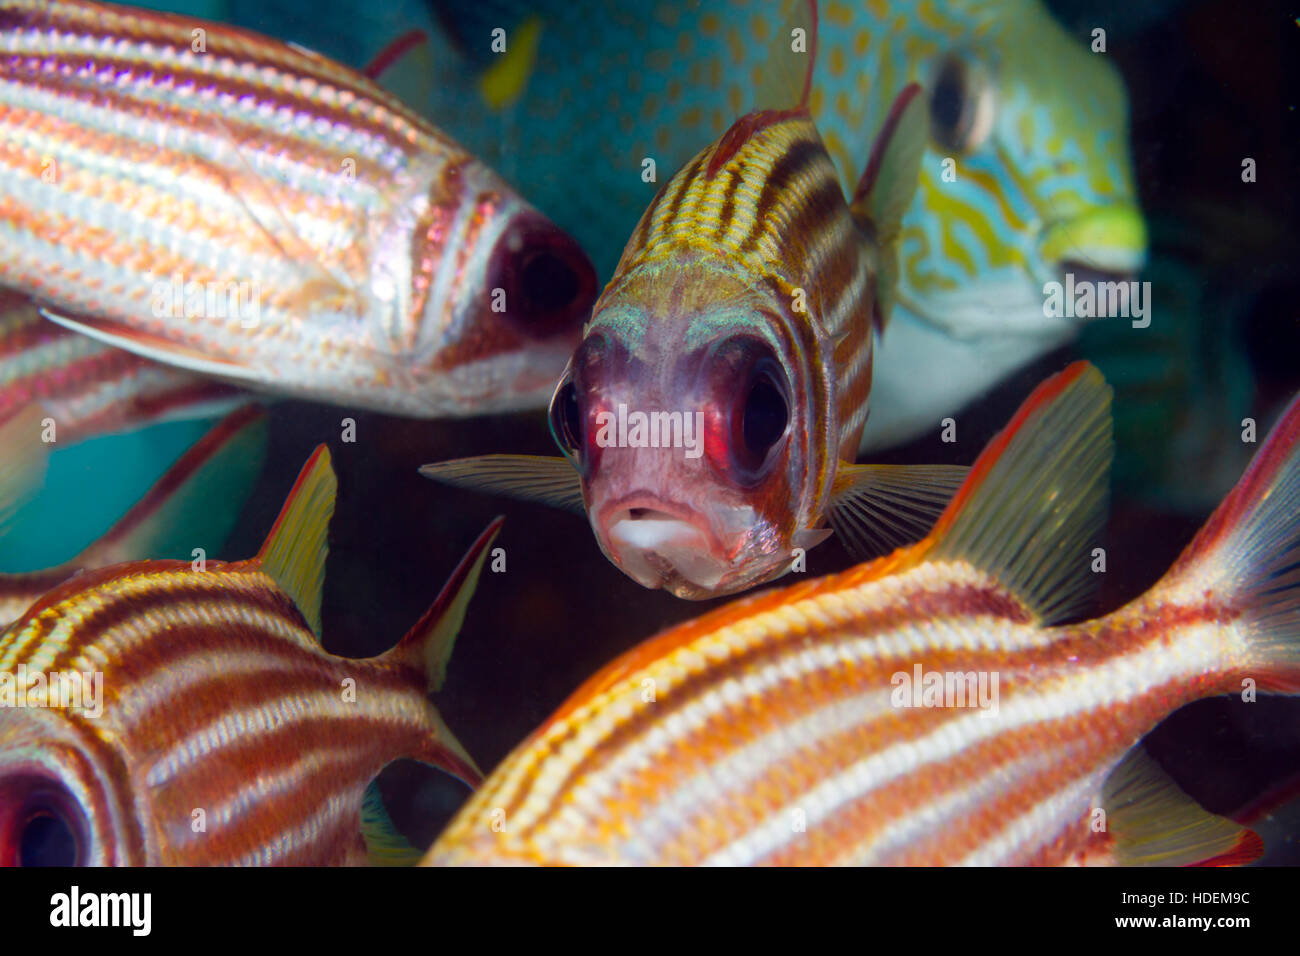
{"points": [[660, 548]]}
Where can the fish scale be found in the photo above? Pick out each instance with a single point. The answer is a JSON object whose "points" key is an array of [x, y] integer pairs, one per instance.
{"points": [[786, 728], [243, 208]]}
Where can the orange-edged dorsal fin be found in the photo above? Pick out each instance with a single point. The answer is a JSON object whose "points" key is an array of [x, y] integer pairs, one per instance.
{"points": [[294, 552], [1036, 498], [786, 87], [394, 51], [1153, 822]]}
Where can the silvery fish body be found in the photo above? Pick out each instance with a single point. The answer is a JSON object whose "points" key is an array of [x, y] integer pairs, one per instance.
{"points": [[247, 209]]}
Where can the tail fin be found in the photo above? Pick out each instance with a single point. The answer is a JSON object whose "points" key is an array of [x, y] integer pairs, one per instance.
{"points": [[1248, 553], [888, 184]]}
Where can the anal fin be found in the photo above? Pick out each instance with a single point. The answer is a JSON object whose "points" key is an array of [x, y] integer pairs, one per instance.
{"points": [[1155, 823]]}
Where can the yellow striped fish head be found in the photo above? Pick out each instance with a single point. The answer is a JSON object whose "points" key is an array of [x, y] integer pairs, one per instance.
{"points": [[185, 713], [1028, 172], [708, 402]]}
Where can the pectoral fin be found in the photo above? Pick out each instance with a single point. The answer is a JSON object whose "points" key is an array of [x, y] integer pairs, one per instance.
{"points": [[875, 508], [552, 481]]}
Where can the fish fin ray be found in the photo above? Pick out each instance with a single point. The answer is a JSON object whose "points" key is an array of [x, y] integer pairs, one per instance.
{"points": [[1250, 550], [294, 552], [787, 73], [393, 53], [146, 345], [876, 508], [385, 844], [1155, 823], [1036, 498], [889, 183], [550, 480]]}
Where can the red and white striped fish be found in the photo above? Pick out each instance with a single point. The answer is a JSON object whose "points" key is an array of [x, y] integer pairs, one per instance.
{"points": [[243, 208], [714, 409], [193, 505], [927, 707], [221, 731], [90, 388]]}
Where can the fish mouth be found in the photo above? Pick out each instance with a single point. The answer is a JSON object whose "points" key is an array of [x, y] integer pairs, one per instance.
{"points": [[663, 545], [1108, 243]]}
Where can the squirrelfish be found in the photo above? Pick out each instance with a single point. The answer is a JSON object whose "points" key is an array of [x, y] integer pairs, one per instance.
{"points": [[193, 505], [738, 333], [1027, 173], [168, 712], [932, 706], [241, 207]]}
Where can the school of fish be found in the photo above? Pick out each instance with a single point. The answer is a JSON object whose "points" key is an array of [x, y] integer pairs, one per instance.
{"points": [[836, 223]]}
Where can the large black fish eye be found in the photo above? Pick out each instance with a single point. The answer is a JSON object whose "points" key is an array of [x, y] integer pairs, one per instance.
{"points": [[547, 280], [961, 103], [47, 839], [765, 417], [566, 417]]}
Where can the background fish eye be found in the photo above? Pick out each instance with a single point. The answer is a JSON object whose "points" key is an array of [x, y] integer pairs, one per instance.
{"points": [[962, 102]]}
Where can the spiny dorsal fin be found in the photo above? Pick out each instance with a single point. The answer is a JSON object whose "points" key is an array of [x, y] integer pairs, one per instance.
{"points": [[429, 643], [294, 552], [1154, 823], [550, 480], [889, 182], [1036, 497], [385, 843], [875, 508]]}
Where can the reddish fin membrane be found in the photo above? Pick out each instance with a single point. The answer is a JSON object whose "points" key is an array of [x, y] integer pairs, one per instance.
{"points": [[386, 58], [745, 129], [1249, 848]]}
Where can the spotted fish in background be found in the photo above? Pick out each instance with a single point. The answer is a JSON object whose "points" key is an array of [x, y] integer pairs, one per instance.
{"points": [[746, 305], [785, 727], [217, 696], [1034, 122], [193, 505], [90, 388], [243, 208]]}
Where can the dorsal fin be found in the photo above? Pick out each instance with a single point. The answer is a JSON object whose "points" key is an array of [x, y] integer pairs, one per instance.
{"points": [[1036, 498], [786, 87], [383, 61], [294, 552], [1155, 823]]}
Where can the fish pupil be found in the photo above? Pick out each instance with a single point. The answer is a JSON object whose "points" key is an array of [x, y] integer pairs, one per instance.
{"points": [[566, 418], [948, 102], [547, 282], [766, 417], [47, 840]]}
